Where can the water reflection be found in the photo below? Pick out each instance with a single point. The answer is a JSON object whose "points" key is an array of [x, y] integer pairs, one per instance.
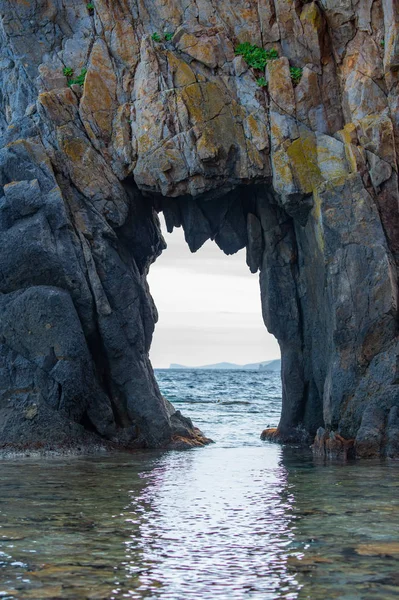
{"points": [[258, 522], [214, 527]]}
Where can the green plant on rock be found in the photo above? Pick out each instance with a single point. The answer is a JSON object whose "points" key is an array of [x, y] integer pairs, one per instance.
{"points": [[156, 37], [271, 54], [382, 43], [168, 36], [90, 7], [261, 82], [68, 72], [296, 74], [80, 79], [254, 56]]}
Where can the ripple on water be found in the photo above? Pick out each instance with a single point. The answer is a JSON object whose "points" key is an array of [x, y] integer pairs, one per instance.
{"points": [[238, 519]]}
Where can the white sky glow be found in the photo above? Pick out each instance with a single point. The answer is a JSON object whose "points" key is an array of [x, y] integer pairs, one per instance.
{"points": [[209, 308]]}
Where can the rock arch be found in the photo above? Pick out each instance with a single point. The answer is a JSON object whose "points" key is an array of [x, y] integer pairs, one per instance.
{"points": [[304, 176]]}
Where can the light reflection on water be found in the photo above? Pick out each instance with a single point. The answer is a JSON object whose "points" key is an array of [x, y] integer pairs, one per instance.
{"points": [[206, 533], [238, 519]]}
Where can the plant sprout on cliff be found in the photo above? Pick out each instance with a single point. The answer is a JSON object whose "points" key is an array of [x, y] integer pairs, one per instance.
{"points": [[79, 80], [255, 56], [296, 75], [261, 82], [67, 71]]}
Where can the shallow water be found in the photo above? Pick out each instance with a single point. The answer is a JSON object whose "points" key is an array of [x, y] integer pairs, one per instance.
{"points": [[238, 519]]}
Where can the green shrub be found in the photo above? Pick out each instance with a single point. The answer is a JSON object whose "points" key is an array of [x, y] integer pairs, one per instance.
{"points": [[261, 82], [382, 43], [90, 6], [255, 57], [80, 79], [168, 36], [296, 74], [271, 54], [68, 72], [156, 37]]}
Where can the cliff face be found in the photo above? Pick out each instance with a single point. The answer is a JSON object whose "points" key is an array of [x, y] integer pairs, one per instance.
{"points": [[295, 160]]}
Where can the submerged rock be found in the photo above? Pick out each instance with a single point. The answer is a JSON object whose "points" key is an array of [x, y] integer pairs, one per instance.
{"points": [[104, 124]]}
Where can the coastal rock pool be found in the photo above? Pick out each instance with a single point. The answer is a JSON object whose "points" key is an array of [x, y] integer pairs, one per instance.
{"points": [[238, 519]]}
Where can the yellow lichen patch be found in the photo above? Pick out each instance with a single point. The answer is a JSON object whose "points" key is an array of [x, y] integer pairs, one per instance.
{"points": [[202, 49], [311, 14], [193, 101], [349, 137], [375, 132], [144, 143], [121, 135], [282, 175], [254, 157], [99, 99], [214, 98], [170, 157], [237, 110], [349, 134], [86, 168], [331, 159], [256, 131], [60, 105], [74, 149], [98, 103], [182, 73], [126, 45], [206, 147], [280, 86], [318, 217], [303, 156], [203, 101]]}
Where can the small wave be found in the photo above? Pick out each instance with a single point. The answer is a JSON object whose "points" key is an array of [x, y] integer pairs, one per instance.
{"points": [[231, 402], [192, 401]]}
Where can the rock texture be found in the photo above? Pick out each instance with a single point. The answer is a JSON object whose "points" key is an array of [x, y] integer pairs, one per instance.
{"points": [[304, 175]]}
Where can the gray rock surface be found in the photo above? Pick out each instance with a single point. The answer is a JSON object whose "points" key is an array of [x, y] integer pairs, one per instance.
{"points": [[302, 172]]}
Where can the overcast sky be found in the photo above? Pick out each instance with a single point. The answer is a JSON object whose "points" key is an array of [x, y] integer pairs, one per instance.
{"points": [[209, 308]]}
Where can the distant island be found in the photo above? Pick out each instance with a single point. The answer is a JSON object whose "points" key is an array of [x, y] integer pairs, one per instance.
{"points": [[271, 365]]}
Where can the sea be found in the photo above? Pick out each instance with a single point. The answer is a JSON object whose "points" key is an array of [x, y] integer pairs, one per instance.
{"points": [[239, 519]]}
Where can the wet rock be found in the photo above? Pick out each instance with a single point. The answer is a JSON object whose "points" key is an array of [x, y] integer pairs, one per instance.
{"points": [[331, 445], [370, 436], [393, 432], [386, 549], [270, 434]]}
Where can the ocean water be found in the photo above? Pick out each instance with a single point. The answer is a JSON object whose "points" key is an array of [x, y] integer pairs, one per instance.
{"points": [[238, 519], [230, 407]]}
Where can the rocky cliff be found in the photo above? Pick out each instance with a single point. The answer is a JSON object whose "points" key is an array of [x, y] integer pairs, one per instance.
{"points": [[266, 124]]}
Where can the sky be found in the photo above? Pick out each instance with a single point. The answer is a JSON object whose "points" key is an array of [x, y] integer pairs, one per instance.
{"points": [[209, 307]]}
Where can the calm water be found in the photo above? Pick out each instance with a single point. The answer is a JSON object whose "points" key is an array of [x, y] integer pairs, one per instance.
{"points": [[239, 519]]}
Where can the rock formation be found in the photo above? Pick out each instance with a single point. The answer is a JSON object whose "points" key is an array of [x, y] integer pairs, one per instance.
{"points": [[113, 111]]}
